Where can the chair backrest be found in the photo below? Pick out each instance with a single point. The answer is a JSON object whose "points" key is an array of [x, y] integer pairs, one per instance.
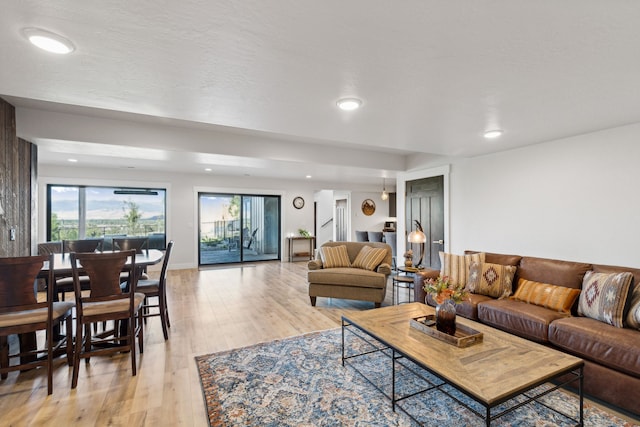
{"points": [[83, 245], [362, 236], [47, 248], [103, 270], [127, 243], [165, 263], [390, 239], [17, 279], [374, 236]]}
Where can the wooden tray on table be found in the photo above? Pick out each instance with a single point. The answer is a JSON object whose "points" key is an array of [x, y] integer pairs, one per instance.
{"points": [[464, 336]]}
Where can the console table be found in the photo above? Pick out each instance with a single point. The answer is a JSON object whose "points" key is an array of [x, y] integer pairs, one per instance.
{"points": [[310, 247]]}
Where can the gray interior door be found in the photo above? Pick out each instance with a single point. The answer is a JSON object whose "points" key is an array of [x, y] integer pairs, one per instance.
{"points": [[425, 202]]}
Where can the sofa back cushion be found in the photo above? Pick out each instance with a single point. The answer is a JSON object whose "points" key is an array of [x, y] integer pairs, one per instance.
{"points": [[555, 272], [604, 296]]}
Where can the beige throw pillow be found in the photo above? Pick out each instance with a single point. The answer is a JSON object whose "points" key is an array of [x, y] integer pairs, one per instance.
{"points": [[369, 258], [604, 296], [493, 280], [456, 267], [335, 256]]}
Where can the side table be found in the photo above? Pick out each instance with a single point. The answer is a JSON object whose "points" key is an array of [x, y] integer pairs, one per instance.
{"points": [[311, 242]]}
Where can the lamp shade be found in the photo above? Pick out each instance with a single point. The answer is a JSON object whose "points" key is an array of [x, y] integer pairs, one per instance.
{"points": [[416, 236]]}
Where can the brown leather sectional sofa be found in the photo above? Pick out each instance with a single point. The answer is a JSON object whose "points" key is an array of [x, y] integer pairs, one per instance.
{"points": [[611, 354]]}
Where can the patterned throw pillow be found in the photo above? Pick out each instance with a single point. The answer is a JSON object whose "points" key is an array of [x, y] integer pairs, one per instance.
{"points": [[604, 296], [335, 256], [633, 318], [369, 258], [456, 267], [557, 298], [493, 280]]}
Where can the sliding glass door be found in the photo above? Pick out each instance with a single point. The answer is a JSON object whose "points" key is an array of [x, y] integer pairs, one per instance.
{"points": [[237, 228]]}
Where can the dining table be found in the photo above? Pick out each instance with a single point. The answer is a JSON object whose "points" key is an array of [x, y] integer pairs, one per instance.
{"points": [[62, 263], [62, 268]]}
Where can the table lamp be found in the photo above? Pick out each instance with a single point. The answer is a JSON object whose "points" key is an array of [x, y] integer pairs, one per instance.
{"points": [[418, 236]]}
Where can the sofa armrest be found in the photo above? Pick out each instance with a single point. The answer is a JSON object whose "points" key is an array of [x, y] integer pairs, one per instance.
{"points": [[384, 269], [418, 281], [315, 264]]}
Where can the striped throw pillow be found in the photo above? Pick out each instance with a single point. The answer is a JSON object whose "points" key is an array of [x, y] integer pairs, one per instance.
{"points": [[456, 267], [604, 296], [369, 258], [556, 298], [335, 256]]}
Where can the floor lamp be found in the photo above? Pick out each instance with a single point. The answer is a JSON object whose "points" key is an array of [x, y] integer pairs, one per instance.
{"points": [[418, 236]]}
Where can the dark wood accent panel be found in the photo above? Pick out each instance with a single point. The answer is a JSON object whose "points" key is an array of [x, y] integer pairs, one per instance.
{"points": [[17, 184]]}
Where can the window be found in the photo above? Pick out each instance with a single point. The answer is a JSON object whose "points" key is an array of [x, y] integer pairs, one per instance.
{"points": [[79, 212], [237, 228]]}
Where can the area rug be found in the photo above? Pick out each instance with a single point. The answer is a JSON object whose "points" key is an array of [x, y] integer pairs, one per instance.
{"points": [[300, 381]]}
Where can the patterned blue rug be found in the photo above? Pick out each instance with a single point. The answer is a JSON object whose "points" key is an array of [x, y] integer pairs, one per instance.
{"points": [[300, 381]]}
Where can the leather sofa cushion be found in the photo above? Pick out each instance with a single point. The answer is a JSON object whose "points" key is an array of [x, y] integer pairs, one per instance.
{"points": [[469, 309], [616, 348], [501, 259], [347, 277], [519, 318], [555, 272]]}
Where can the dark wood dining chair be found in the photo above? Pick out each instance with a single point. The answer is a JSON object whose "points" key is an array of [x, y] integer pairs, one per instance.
{"points": [[157, 289], [138, 244], [106, 301], [65, 284], [82, 245], [21, 313], [127, 243]]}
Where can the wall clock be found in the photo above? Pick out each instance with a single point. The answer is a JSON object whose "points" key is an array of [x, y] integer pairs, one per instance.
{"points": [[368, 207], [298, 202]]}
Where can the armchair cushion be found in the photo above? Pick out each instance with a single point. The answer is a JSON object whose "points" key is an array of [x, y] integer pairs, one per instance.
{"points": [[369, 258], [335, 256]]}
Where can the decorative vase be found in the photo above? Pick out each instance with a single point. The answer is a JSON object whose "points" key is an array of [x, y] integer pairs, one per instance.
{"points": [[446, 317]]}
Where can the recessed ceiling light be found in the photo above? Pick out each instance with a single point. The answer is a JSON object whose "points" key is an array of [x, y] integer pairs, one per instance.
{"points": [[48, 41], [207, 169], [72, 160], [308, 176], [349, 104], [494, 133]]}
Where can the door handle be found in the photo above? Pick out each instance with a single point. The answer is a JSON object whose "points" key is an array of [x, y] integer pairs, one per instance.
{"points": [[440, 242]]}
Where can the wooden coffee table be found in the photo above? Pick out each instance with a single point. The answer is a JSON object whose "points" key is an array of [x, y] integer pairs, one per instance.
{"points": [[491, 372]]}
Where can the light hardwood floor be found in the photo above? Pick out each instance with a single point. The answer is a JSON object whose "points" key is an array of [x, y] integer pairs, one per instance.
{"points": [[211, 310]]}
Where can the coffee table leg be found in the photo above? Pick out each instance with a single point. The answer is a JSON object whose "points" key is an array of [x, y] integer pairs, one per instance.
{"points": [[343, 343], [393, 380], [580, 392]]}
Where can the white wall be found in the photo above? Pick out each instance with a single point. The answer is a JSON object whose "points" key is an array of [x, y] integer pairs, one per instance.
{"points": [[574, 199], [182, 203], [362, 222], [325, 212]]}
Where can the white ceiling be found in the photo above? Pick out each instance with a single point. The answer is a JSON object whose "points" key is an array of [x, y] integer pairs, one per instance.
{"points": [[250, 87]]}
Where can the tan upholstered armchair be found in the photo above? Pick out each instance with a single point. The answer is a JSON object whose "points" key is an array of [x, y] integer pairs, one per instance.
{"points": [[358, 275]]}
